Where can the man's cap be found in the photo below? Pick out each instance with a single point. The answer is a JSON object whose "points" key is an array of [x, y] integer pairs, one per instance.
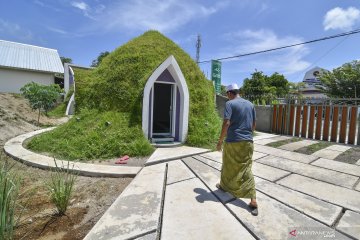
{"points": [[233, 86]]}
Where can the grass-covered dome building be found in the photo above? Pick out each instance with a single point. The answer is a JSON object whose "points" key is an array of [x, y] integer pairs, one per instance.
{"points": [[148, 89]]}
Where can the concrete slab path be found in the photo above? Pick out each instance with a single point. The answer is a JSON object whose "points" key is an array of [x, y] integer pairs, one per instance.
{"points": [[193, 208], [297, 145], [331, 152], [175, 197], [167, 154], [284, 154], [330, 176], [350, 224], [272, 139]]}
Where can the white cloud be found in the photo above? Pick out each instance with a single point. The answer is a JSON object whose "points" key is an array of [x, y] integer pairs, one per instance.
{"points": [[42, 4], [80, 5], [92, 12], [86, 10], [286, 61], [342, 19], [15, 30], [262, 9], [57, 30], [160, 15]]}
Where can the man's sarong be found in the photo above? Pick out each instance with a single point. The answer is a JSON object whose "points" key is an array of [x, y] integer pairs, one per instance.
{"points": [[236, 174]]}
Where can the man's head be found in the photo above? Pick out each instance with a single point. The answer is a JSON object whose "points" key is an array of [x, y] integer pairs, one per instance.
{"points": [[232, 91]]}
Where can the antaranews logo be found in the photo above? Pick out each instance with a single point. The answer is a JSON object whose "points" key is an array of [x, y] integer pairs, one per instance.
{"points": [[293, 233], [312, 233]]}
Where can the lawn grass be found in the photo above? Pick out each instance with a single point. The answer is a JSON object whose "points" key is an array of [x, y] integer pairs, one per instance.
{"points": [[350, 156], [93, 135], [314, 147], [58, 111], [283, 142]]}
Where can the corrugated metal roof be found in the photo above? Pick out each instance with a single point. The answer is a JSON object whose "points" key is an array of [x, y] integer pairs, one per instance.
{"points": [[18, 55]]}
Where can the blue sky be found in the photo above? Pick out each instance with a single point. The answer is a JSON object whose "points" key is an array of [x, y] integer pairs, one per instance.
{"points": [[81, 29]]}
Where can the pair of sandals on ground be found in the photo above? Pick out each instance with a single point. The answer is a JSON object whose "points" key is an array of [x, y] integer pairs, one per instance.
{"points": [[253, 208]]}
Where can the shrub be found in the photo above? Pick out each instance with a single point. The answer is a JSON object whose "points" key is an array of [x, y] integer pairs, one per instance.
{"points": [[61, 186], [41, 97], [9, 192]]}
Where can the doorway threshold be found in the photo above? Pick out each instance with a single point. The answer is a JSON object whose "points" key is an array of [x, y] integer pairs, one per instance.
{"points": [[166, 144]]}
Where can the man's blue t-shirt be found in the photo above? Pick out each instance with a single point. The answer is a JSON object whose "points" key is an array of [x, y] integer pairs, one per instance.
{"points": [[241, 114]]}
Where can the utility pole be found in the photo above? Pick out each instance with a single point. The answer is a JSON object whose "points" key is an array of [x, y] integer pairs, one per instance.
{"points": [[198, 46]]}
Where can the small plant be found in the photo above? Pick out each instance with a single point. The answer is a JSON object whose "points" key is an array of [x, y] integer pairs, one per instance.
{"points": [[61, 185], [41, 97], [9, 193]]}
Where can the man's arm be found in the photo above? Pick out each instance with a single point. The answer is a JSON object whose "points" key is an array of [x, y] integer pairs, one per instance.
{"points": [[225, 126]]}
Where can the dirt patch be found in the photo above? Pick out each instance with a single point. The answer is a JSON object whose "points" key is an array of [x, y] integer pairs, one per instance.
{"points": [[91, 198], [349, 156], [16, 117]]}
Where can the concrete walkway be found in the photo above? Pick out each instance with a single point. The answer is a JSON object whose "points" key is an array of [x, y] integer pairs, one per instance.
{"points": [[302, 195], [14, 148], [331, 152]]}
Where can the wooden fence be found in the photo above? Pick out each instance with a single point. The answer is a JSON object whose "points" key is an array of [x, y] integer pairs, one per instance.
{"points": [[328, 122]]}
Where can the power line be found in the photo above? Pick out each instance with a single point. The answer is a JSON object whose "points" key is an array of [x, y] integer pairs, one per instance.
{"points": [[288, 46]]}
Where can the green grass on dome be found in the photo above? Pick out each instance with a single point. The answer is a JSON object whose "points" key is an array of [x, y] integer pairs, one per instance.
{"points": [[59, 110], [117, 86], [87, 137]]}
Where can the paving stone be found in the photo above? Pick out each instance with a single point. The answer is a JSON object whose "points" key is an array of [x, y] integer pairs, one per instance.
{"points": [[285, 154], [297, 145], [350, 224], [211, 163], [267, 172], [167, 154], [319, 173], [192, 212], [357, 187], [344, 197], [275, 220], [338, 166], [217, 156], [150, 236], [338, 147], [270, 140], [358, 162], [326, 153], [320, 210], [261, 135], [136, 211], [258, 169], [209, 175], [177, 171]]}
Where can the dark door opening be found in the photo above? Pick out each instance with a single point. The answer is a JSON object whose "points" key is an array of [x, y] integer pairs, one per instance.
{"points": [[162, 115]]}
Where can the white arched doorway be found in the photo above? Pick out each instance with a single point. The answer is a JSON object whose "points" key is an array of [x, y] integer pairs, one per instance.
{"points": [[165, 110]]}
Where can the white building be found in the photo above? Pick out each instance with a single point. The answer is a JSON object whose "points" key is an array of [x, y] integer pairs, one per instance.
{"points": [[311, 80], [21, 64]]}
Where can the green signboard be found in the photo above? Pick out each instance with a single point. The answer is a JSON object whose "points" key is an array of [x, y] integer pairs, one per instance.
{"points": [[216, 75]]}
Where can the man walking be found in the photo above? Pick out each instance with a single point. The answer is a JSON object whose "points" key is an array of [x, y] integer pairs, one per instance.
{"points": [[238, 127]]}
